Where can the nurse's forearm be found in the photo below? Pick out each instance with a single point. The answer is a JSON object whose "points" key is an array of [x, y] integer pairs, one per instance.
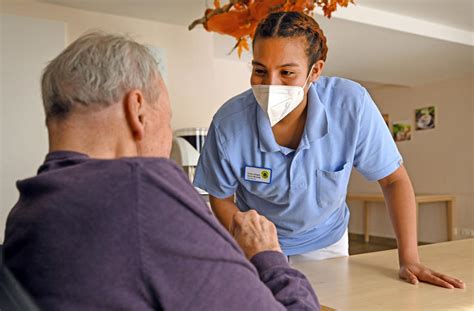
{"points": [[400, 200], [224, 209]]}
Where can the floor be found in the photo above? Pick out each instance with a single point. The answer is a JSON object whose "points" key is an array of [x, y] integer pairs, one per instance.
{"points": [[376, 244], [358, 246]]}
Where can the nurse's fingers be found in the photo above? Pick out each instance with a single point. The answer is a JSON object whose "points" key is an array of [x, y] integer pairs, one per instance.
{"points": [[430, 278], [408, 276], [453, 281]]}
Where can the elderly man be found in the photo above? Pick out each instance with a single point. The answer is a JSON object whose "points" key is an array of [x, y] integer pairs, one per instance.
{"points": [[109, 223]]}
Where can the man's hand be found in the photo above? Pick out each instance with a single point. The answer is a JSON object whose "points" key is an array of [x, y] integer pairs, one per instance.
{"points": [[414, 273], [254, 233]]}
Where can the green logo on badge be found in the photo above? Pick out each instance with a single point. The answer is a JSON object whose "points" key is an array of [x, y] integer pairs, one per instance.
{"points": [[265, 174]]}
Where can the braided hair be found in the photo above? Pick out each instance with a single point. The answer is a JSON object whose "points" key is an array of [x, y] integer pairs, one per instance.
{"points": [[294, 24]]}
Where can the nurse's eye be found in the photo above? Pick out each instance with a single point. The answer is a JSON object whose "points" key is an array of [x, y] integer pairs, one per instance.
{"points": [[259, 71], [287, 73]]}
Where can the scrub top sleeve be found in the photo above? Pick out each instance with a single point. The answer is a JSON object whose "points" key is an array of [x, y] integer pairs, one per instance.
{"points": [[214, 173], [376, 154]]}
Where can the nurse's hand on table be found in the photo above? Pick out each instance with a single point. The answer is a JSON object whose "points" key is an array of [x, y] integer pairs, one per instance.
{"points": [[414, 273], [254, 233]]}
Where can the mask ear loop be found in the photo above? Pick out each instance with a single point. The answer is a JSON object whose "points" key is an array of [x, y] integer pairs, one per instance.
{"points": [[309, 75]]}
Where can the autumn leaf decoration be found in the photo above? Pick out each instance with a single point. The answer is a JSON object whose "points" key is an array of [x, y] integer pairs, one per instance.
{"points": [[239, 18]]}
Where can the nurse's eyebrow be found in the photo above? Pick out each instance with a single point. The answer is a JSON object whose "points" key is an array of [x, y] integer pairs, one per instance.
{"points": [[290, 65], [257, 63], [284, 65]]}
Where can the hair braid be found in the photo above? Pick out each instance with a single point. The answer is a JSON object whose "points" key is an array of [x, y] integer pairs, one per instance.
{"points": [[295, 24]]}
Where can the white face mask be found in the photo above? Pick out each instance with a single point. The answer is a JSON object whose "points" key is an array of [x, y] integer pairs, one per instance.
{"points": [[279, 100]]}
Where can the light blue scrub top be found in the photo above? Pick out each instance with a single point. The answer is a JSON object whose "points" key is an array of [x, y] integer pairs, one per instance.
{"points": [[306, 196]]}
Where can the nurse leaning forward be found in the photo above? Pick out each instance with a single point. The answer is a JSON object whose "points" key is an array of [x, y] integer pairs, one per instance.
{"points": [[286, 148]]}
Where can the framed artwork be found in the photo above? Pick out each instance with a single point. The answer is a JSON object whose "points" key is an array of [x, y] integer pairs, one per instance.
{"points": [[402, 131], [386, 118], [425, 118]]}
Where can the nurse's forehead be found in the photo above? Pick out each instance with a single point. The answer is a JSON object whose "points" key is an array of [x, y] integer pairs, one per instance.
{"points": [[280, 52]]}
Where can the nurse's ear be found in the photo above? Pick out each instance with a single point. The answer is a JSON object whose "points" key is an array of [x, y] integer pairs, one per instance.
{"points": [[316, 71]]}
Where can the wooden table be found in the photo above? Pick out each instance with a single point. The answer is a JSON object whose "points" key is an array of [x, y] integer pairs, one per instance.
{"points": [[419, 198], [370, 281]]}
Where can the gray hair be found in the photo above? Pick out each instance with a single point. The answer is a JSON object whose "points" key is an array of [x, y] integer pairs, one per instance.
{"points": [[95, 71]]}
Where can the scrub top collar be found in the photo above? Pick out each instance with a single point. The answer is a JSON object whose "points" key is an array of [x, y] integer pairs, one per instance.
{"points": [[316, 126]]}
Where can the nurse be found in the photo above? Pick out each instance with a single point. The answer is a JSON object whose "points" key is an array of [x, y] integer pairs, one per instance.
{"points": [[286, 148]]}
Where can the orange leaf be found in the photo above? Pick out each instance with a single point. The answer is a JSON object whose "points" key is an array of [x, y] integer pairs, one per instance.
{"points": [[217, 4], [232, 23], [245, 44], [242, 45]]}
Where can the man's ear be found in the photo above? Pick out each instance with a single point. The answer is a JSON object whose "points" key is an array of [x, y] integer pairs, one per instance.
{"points": [[317, 70], [134, 108]]}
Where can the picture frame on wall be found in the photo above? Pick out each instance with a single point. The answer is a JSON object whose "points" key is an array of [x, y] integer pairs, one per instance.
{"points": [[386, 118], [425, 118], [402, 131]]}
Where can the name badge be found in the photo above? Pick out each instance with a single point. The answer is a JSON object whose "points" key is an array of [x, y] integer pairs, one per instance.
{"points": [[258, 174]]}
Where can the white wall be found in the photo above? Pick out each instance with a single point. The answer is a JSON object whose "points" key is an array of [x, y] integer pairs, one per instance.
{"points": [[190, 55], [27, 45], [439, 161], [195, 78]]}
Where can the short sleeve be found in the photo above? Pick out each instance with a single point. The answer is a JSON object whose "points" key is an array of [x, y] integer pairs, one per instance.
{"points": [[213, 173], [376, 153]]}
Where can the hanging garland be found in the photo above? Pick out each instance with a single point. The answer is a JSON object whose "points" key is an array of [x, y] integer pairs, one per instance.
{"points": [[239, 18]]}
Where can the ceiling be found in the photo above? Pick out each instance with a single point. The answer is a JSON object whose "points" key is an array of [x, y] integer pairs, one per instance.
{"points": [[179, 12], [357, 50], [453, 13]]}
